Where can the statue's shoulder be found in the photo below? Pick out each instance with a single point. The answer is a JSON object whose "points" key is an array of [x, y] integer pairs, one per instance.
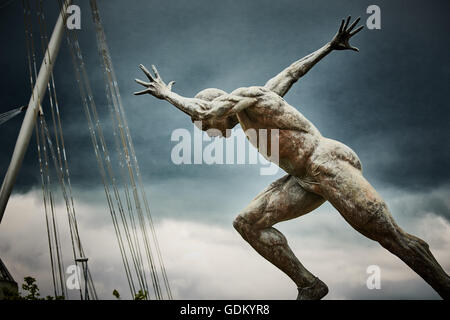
{"points": [[251, 92]]}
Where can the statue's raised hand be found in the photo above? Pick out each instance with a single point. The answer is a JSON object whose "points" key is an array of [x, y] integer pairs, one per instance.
{"points": [[156, 87], [342, 37]]}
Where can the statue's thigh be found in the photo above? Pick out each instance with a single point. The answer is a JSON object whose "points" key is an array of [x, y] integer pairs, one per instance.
{"points": [[284, 199], [351, 194]]}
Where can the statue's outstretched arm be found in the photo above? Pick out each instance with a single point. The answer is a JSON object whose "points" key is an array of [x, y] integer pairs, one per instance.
{"points": [[198, 109], [281, 83]]}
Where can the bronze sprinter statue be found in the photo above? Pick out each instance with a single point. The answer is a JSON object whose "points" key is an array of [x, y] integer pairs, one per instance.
{"points": [[319, 169]]}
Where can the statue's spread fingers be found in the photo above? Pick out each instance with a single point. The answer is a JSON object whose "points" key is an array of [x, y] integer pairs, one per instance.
{"points": [[138, 93], [170, 84], [147, 73], [145, 84], [353, 24], [356, 31], [347, 22], [155, 71], [341, 28]]}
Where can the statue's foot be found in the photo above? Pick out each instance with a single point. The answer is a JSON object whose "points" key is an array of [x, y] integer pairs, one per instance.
{"points": [[316, 291]]}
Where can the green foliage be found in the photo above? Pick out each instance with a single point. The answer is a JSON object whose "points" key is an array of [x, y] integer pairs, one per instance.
{"points": [[141, 295], [32, 288], [32, 292], [116, 294]]}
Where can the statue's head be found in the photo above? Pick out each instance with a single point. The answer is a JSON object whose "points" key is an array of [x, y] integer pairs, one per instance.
{"points": [[209, 94], [222, 125]]}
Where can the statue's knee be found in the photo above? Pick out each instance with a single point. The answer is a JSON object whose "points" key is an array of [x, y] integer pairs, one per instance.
{"points": [[268, 236], [239, 224], [245, 228]]}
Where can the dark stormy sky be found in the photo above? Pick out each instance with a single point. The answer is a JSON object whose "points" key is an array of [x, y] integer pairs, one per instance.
{"points": [[389, 102]]}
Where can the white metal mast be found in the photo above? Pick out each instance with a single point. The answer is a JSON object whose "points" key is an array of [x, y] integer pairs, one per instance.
{"points": [[33, 108]]}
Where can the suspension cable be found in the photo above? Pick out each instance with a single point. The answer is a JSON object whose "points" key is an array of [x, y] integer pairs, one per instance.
{"points": [[122, 212], [96, 134], [56, 259], [61, 165], [116, 109]]}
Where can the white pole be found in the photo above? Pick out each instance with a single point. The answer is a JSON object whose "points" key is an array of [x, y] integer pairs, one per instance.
{"points": [[33, 108]]}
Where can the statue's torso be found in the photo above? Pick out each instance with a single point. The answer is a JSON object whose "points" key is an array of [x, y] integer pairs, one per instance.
{"points": [[299, 140]]}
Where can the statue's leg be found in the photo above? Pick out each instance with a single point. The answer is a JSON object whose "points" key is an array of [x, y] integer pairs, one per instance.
{"points": [[284, 199], [364, 209]]}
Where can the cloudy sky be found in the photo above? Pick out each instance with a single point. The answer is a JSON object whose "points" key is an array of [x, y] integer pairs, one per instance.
{"points": [[388, 103]]}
